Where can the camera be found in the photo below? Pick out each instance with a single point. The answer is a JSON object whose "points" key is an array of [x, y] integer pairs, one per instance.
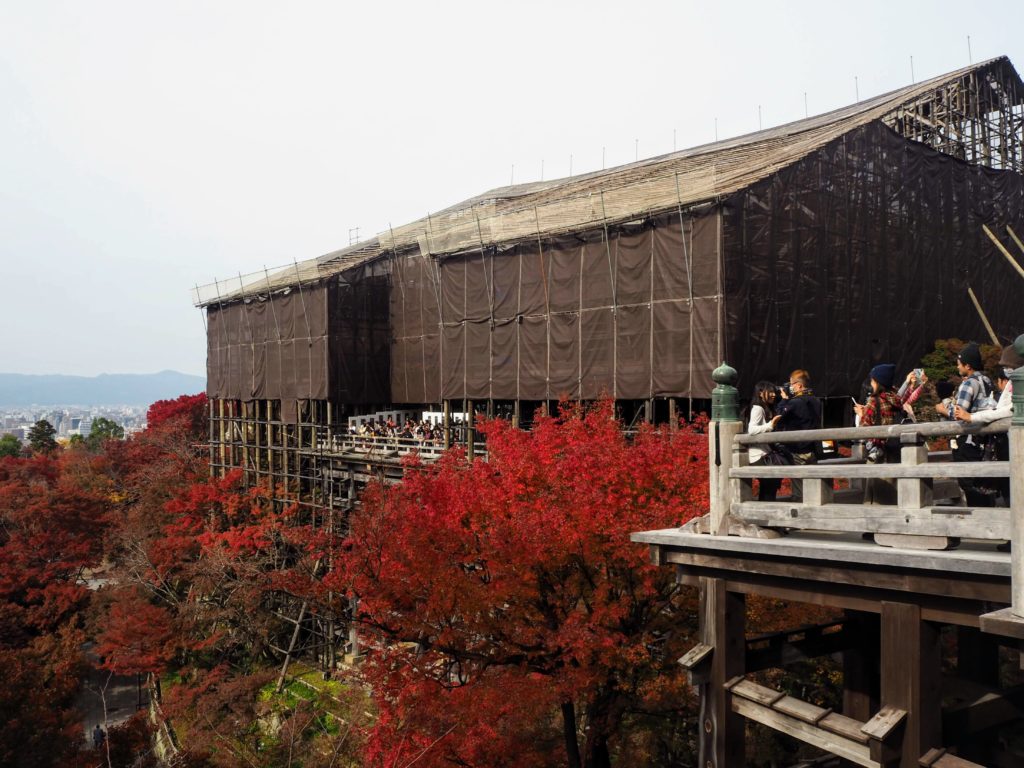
{"points": [[785, 390]]}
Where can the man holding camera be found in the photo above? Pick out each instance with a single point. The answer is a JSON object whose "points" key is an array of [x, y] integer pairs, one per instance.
{"points": [[799, 410]]}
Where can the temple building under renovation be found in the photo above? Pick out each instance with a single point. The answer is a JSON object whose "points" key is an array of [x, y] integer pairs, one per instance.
{"points": [[830, 243]]}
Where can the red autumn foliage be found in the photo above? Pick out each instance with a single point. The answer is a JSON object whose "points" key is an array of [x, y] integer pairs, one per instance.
{"points": [[187, 411], [521, 568], [137, 636]]}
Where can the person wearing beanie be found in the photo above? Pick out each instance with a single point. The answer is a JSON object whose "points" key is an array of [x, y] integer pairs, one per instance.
{"points": [[1008, 362], [883, 407], [970, 355], [974, 393]]}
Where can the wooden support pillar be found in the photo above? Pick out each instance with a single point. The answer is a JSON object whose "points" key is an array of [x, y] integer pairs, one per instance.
{"points": [[269, 447], [649, 410], [721, 437], [722, 430], [977, 660], [470, 425], [447, 424], [517, 414], [222, 433], [673, 415], [860, 666], [911, 679], [722, 626], [1016, 463]]}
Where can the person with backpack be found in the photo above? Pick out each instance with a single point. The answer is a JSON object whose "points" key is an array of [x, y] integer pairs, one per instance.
{"points": [[972, 396], [1000, 444]]}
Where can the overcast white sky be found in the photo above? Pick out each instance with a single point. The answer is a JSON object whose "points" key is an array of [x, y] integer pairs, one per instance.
{"points": [[146, 147]]}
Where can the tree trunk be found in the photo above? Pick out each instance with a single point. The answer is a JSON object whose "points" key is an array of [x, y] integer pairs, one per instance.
{"points": [[602, 719], [572, 746]]}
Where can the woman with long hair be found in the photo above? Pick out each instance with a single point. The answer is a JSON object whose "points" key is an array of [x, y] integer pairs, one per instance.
{"points": [[763, 419]]}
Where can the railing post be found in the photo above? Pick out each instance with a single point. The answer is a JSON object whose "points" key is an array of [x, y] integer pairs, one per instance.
{"points": [[1016, 439], [725, 425]]}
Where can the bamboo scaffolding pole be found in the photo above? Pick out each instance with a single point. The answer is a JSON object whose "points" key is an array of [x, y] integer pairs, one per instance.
{"points": [[1002, 249], [984, 318]]}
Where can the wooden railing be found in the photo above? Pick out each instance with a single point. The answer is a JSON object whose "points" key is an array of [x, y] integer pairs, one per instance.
{"points": [[920, 482], [374, 447]]}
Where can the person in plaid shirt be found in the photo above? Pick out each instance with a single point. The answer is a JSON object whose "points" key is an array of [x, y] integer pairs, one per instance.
{"points": [[973, 394], [884, 406]]}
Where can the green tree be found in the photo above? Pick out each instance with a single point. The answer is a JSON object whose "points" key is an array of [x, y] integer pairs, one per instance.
{"points": [[9, 446], [102, 430], [41, 437]]}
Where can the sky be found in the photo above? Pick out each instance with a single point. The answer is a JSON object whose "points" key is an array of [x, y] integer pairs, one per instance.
{"points": [[148, 147]]}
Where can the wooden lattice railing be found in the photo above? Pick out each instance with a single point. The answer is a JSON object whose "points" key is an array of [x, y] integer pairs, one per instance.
{"points": [[928, 503]]}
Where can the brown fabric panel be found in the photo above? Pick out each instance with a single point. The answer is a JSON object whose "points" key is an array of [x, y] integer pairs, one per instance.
{"points": [[260, 370], [705, 345], [506, 283], [671, 348], [598, 271], [417, 320], [563, 265], [453, 339], [432, 355], [414, 368], [399, 301], [703, 239], [564, 355], [633, 267], [478, 287], [533, 290], [596, 354], [453, 286], [478, 360], [633, 352], [533, 357], [289, 381], [214, 361], [399, 370], [429, 296], [670, 261], [504, 360]]}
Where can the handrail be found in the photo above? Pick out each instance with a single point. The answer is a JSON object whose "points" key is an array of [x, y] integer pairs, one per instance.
{"points": [[927, 430]]}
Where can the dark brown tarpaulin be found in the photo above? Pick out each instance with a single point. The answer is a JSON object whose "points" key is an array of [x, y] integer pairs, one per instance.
{"points": [[862, 253], [565, 317], [858, 253]]}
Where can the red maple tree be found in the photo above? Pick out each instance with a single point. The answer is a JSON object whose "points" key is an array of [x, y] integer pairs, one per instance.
{"points": [[502, 592]]}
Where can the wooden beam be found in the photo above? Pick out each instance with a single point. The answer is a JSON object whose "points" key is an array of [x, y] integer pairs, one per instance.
{"points": [[911, 675], [780, 721], [722, 622], [865, 471], [827, 577], [992, 523], [962, 723], [860, 665], [1002, 250], [788, 647]]}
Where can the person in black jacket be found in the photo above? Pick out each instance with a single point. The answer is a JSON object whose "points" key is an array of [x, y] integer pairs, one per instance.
{"points": [[800, 410]]}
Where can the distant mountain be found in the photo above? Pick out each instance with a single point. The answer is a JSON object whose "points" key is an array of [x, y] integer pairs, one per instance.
{"points": [[106, 389]]}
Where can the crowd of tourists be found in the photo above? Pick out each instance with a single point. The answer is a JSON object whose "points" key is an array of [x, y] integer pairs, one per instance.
{"points": [[424, 431], [978, 398]]}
